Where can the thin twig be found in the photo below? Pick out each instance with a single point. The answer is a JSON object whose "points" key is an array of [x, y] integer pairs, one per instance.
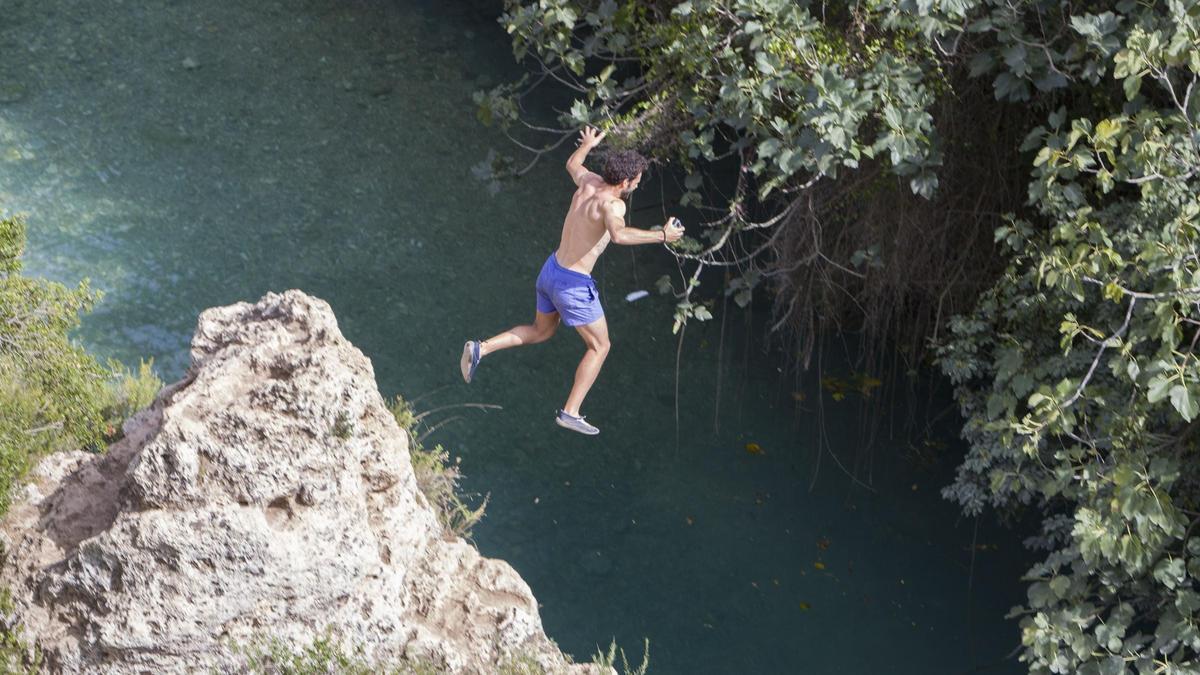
{"points": [[480, 406], [437, 426]]}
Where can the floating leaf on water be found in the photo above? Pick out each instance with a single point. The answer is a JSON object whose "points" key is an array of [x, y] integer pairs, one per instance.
{"points": [[819, 565], [982, 547], [839, 387], [798, 396], [690, 520], [754, 449], [804, 606], [823, 543], [866, 383]]}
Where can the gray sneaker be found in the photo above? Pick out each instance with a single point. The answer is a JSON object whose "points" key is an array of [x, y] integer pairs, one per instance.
{"points": [[470, 360], [569, 421]]}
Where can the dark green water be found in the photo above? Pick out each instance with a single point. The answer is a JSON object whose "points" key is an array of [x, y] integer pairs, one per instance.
{"points": [[186, 154]]}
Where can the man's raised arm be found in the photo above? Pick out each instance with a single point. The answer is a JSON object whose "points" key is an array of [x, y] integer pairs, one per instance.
{"points": [[588, 139], [614, 222]]}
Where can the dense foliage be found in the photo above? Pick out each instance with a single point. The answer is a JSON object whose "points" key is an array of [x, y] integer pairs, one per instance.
{"points": [[1077, 371], [53, 394], [1073, 354]]}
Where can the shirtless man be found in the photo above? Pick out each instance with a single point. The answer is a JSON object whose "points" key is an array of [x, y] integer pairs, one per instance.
{"points": [[565, 289]]}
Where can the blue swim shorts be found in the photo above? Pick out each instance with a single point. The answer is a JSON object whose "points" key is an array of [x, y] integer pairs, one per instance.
{"points": [[572, 294]]}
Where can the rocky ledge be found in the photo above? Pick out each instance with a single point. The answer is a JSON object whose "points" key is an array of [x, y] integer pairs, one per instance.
{"points": [[268, 493]]}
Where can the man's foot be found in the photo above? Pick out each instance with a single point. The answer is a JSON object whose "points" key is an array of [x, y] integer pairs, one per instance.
{"points": [[568, 421], [470, 360]]}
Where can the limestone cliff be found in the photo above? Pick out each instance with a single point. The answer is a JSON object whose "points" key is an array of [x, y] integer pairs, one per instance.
{"points": [[269, 492]]}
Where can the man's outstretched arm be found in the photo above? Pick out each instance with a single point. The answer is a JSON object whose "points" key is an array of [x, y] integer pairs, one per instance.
{"points": [[588, 139], [614, 222]]}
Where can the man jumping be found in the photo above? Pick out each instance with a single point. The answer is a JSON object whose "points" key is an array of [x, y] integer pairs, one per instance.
{"points": [[565, 288]]}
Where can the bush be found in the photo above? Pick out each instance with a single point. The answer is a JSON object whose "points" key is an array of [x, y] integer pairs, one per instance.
{"points": [[126, 393], [53, 394], [608, 660], [324, 656], [327, 656], [437, 477], [49, 386]]}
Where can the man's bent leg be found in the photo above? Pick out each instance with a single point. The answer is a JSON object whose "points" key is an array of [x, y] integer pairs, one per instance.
{"points": [[540, 330], [595, 336]]}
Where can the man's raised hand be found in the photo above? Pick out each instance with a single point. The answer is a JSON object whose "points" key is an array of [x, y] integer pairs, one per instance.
{"points": [[590, 137], [674, 231]]}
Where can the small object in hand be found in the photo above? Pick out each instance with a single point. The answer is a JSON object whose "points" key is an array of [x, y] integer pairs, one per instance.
{"points": [[636, 295]]}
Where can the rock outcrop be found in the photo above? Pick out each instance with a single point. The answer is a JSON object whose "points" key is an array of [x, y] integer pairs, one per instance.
{"points": [[268, 493]]}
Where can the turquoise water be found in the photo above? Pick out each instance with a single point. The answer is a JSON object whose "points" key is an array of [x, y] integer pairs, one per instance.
{"points": [[184, 154]]}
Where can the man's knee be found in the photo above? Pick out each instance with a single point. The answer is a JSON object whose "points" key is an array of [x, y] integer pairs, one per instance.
{"points": [[601, 346], [543, 333]]}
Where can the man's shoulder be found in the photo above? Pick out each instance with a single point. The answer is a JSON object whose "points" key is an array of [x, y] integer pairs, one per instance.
{"points": [[584, 178], [613, 206]]}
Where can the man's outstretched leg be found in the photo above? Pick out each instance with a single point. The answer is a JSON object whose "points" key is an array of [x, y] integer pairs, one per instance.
{"points": [[543, 326], [595, 337]]}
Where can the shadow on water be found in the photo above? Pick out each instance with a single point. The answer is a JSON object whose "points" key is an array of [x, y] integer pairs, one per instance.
{"points": [[186, 154]]}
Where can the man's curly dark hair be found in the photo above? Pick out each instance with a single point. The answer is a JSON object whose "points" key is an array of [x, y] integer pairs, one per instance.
{"points": [[622, 165]]}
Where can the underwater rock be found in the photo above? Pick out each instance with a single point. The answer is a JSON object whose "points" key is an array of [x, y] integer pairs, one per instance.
{"points": [[12, 92], [269, 493]]}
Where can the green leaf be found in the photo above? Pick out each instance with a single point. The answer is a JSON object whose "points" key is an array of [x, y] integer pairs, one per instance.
{"points": [[768, 147], [1159, 386], [1185, 404], [1060, 585], [1132, 85], [742, 298], [579, 112], [1040, 595], [1107, 129]]}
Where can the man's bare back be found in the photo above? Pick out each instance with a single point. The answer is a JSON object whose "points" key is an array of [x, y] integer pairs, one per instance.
{"points": [[584, 236]]}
